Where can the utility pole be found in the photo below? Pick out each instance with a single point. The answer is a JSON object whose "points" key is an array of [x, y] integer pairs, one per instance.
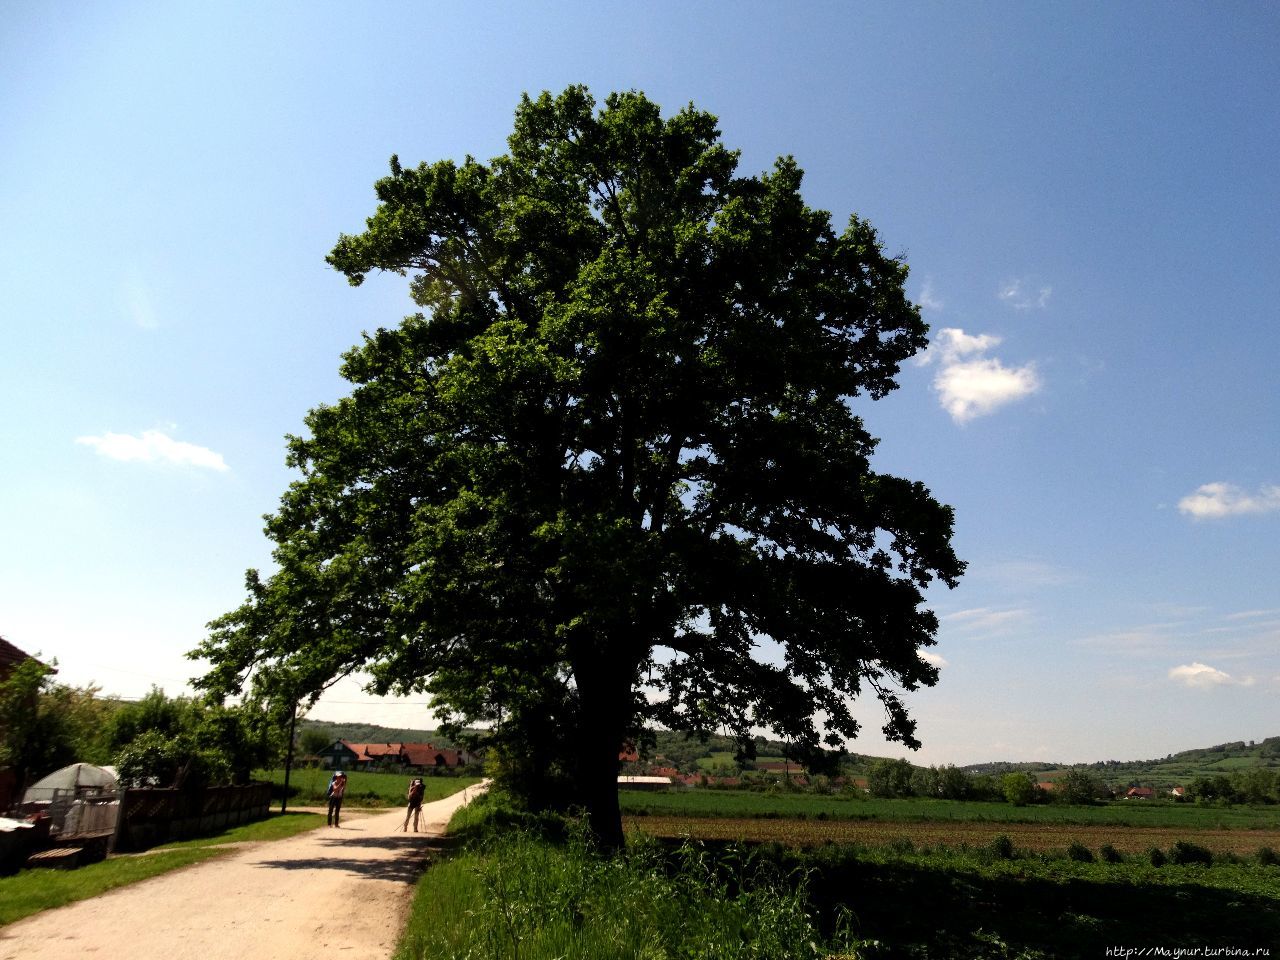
{"points": [[288, 758]]}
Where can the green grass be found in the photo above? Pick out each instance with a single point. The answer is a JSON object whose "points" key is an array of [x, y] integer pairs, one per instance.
{"points": [[30, 891], [1131, 813], [518, 897], [364, 789], [989, 903], [277, 826], [512, 895]]}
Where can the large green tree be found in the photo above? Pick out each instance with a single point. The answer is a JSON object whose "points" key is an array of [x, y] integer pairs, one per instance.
{"points": [[613, 472]]}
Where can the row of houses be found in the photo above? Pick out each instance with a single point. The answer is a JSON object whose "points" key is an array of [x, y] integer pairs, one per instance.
{"points": [[1121, 793], [345, 755]]}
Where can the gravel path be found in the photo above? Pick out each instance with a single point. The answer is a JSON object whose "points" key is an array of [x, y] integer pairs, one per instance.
{"points": [[333, 892]]}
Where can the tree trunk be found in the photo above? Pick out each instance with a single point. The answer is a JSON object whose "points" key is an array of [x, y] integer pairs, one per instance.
{"points": [[604, 693]]}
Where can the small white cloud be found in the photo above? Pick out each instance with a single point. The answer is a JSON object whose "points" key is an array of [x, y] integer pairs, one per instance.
{"points": [[1215, 500], [1022, 295], [984, 618], [1253, 614], [953, 344], [935, 659], [138, 307], [1204, 676], [928, 301], [978, 387], [154, 447], [970, 384]]}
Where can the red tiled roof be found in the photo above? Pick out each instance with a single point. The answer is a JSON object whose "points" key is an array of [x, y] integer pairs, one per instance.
{"points": [[420, 754], [429, 755], [376, 751]]}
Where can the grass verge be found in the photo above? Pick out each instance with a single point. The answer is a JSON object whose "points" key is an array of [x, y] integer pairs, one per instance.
{"points": [[277, 826], [537, 894], [30, 891]]}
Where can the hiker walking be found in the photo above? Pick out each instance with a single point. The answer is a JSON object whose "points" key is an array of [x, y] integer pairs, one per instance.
{"points": [[337, 790], [416, 789]]}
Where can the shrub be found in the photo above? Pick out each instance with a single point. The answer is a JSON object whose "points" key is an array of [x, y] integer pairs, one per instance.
{"points": [[902, 846], [1110, 854], [1079, 853], [1157, 857], [1268, 857], [1183, 853], [1002, 847]]}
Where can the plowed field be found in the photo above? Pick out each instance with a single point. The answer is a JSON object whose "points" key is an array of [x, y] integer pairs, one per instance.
{"points": [[1029, 836]]}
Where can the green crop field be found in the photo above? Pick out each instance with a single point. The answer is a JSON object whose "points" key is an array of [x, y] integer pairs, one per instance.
{"points": [[741, 804], [513, 895]]}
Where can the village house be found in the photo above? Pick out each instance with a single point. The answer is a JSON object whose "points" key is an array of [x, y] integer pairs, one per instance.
{"points": [[345, 755], [1140, 793]]}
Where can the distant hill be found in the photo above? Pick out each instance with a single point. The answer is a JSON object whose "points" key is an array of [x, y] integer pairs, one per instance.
{"points": [[372, 733], [1176, 768]]}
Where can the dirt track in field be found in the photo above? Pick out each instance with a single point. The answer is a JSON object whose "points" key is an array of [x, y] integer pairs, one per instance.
{"points": [[333, 892], [1029, 836]]}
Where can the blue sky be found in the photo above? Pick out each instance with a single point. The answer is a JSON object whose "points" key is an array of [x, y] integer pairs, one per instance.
{"points": [[1086, 195]]}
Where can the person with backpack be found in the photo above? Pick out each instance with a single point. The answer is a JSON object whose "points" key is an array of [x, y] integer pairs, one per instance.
{"points": [[416, 790], [337, 790]]}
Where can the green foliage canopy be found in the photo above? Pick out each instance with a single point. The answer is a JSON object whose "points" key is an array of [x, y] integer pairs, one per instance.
{"points": [[45, 725], [613, 472]]}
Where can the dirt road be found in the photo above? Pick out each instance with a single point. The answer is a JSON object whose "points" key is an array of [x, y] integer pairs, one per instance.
{"points": [[334, 892]]}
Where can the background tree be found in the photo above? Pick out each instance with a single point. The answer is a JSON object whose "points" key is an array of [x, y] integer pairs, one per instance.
{"points": [[45, 725], [612, 473], [1078, 786], [312, 742], [890, 778], [1019, 788], [160, 739]]}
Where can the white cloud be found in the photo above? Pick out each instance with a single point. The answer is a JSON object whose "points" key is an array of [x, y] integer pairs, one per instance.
{"points": [[979, 387], [953, 344], [984, 618], [1253, 614], [154, 447], [1215, 500], [1204, 676], [970, 384], [935, 659], [1022, 295], [138, 305], [928, 301]]}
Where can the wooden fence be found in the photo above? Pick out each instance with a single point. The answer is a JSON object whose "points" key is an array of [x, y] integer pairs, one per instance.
{"points": [[149, 816]]}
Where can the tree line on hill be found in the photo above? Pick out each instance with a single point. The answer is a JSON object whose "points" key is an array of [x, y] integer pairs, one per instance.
{"points": [[898, 778]]}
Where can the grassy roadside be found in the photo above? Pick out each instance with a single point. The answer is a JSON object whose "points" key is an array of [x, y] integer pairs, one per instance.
{"points": [[512, 892], [278, 826], [31, 891]]}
